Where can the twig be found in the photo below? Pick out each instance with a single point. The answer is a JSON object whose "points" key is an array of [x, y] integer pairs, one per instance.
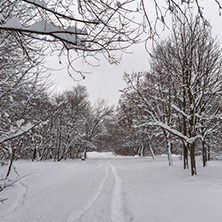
{"points": [[2, 200]]}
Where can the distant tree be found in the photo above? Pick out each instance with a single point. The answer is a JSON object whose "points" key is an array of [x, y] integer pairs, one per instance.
{"points": [[131, 114], [66, 126], [143, 92], [127, 139], [95, 127]]}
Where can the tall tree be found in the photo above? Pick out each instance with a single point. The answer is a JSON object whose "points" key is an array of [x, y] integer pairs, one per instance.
{"points": [[181, 93], [192, 60]]}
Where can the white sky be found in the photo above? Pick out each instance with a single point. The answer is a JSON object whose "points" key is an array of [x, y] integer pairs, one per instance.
{"points": [[105, 80]]}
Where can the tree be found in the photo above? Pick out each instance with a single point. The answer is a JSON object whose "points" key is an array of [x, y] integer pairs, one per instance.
{"points": [[132, 113], [145, 96], [85, 27], [20, 86], [66, 126], [192, 60], [89, 27], [182, 92], [95, 127]]}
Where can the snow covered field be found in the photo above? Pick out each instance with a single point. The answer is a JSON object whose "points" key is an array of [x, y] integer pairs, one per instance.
{"points": [[105, 188]]}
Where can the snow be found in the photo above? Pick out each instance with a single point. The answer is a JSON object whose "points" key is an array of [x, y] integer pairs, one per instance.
{"points": [[38, 2], [70, 35], [43, 26], [14, 132], [110, 188], [13, 22]]}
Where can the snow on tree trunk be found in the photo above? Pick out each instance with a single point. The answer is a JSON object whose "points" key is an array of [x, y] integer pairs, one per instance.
{"points": [[142, 151], [192, 159], [169, 154], [169, 147], [151, 150]]}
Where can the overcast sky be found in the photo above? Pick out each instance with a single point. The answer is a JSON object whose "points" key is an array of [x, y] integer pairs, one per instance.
{"points": [[105, 80]]}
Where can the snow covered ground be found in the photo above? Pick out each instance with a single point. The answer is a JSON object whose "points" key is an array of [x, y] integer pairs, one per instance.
{"points": [[105, 188]]}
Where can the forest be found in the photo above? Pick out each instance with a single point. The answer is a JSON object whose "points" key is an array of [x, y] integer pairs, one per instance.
{"points": [[172, 108]]}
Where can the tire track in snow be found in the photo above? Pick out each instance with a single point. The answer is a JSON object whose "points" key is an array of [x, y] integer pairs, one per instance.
{"points": [[76, 215]]}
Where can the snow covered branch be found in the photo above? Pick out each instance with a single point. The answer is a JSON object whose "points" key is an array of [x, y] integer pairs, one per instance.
{"points": [[83, 27], [175, 132], [20, 131]]}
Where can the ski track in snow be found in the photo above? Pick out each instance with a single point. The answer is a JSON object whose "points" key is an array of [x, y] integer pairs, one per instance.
{"points": [[113, 208], [76, 215], [117, 209], [110, 189]]}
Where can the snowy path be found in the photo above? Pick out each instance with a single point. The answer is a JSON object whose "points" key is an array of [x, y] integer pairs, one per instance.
{"points": [[107, 203], [117, 210], [113, 189], [97, 201], [89, 191]]}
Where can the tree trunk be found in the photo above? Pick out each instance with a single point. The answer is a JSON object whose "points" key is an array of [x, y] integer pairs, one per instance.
{"points": [[11, 162], [142, 151], [84, 153], [204, 151], [185, 157], [168, 146], [34, 154], [192, 159], [169, 153], [208, 156], [77, 153], [151, 150], [59, 146]]}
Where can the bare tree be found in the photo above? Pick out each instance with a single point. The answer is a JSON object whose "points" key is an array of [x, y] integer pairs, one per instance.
{"points": [[162, 11], [190, 61], [85, 27], [66, 126], [146, 106], [95, 125], [90, 27], [182, 92]]}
